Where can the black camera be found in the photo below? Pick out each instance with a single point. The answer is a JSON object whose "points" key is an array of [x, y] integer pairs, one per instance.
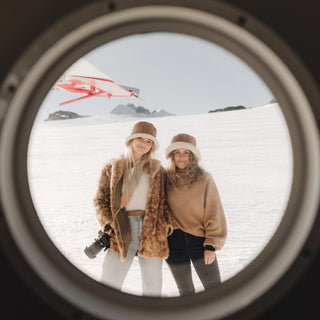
{"points": [[103, 241]]}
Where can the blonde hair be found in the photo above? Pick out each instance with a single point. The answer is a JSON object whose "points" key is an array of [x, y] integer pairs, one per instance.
{"points": [[193, 171], [130, 162]]}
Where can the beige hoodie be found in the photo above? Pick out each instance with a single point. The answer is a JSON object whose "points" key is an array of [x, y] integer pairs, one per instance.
{"points": [[197, 209]]}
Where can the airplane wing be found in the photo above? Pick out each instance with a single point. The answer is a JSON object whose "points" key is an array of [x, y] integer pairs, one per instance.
{"points": [[83, 77]]}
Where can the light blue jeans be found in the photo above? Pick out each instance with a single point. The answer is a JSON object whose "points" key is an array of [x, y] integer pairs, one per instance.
{"points": [[114, 270]]}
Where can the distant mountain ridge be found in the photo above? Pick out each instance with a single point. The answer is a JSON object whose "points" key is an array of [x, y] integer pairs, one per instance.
{"points": [[230, 108], [63, 115], [139, 111]]}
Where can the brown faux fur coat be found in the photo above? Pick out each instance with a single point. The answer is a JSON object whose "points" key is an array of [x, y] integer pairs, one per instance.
{"points": [[157, 223]]}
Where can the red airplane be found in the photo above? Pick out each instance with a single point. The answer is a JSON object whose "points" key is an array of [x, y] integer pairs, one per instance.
{"points": [[83, 77]]}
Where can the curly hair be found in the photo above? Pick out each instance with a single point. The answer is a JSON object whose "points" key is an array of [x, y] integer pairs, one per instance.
{"points": [[193, 171]]}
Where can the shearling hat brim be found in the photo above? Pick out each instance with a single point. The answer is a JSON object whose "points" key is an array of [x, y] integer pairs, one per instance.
{"points": [[142, 135], [184, 145]]}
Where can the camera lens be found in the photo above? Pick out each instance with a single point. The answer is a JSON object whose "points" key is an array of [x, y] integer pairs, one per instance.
{"points": [[93, 249]]}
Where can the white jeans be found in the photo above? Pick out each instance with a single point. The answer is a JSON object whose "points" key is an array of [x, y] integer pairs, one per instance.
{"points": [[114, 270]]}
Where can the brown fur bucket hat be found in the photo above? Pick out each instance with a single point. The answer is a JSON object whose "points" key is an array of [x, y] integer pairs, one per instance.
{"points": [[143, 129], [185, 141]]}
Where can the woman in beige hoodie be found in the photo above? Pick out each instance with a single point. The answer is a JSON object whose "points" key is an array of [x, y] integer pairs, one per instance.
{"points": [[198, 217]]}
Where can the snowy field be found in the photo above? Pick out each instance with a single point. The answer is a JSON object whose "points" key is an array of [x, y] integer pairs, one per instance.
{"points": [[248, 153]]}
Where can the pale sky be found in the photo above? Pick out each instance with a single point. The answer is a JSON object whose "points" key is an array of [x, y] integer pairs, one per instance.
{"points": [[179, 73]]}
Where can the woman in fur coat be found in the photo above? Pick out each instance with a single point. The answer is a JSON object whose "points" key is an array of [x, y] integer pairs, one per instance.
{"points": [[135, 182], [198, 217]]}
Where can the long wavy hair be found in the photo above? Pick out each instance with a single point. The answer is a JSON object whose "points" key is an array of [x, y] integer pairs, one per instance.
{"points": [[131, 163], [193, 171]]}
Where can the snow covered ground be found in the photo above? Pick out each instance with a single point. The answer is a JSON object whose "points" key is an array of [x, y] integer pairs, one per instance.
{"points": [[248, 152]]}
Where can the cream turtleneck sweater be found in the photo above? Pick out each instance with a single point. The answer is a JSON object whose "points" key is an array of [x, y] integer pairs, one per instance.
{"points": [[198, 209]]}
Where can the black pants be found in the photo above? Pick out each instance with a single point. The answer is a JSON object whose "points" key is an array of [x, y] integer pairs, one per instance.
{"points": [[185, 248]]}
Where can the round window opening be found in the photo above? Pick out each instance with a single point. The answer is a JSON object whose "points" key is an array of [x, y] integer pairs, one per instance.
{"points": [[184, 71], [180, 84]]}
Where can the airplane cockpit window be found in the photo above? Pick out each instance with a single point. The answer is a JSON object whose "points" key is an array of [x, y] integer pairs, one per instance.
{"points": [[163, 153]]}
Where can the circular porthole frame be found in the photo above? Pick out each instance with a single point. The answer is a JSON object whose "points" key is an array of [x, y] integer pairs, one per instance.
{"points": [[36, 71]]}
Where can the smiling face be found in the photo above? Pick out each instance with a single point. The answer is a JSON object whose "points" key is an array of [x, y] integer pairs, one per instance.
{"points": [[181, 157], [140, 146]]}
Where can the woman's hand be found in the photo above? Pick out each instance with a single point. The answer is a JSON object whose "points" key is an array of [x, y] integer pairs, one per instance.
{"points": [[209, 256]]}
